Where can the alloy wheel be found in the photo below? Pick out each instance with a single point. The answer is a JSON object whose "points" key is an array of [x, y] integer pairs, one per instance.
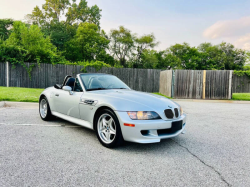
{"points": [[43, 108], [106, 128]]}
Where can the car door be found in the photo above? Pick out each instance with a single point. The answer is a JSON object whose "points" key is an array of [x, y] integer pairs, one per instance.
{"points": [[68, 104]]}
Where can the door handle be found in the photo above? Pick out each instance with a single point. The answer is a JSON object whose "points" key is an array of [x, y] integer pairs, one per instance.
{"points": [[57, 95]]}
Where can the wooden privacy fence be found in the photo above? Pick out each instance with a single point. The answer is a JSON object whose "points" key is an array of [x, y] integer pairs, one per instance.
{"points": [[186, 84], [196, 84], [146, 80], [3, 74], [241, 84]]}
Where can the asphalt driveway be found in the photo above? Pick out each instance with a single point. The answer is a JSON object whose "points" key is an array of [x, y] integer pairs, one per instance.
{"points": [[215, 151]]}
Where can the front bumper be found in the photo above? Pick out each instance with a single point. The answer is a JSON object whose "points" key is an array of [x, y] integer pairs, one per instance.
{"points": [[151, 127]]}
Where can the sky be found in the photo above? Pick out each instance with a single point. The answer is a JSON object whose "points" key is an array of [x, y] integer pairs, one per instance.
{"points": [[171, 21]]}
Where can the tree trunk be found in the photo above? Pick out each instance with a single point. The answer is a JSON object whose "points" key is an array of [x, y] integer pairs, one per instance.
{"points": [[123, 62]]}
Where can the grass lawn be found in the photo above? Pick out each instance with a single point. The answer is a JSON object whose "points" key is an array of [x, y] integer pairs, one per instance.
{"points": [[236, 96], [241, 96], [32, 95], [162, 95], [20, 94]]}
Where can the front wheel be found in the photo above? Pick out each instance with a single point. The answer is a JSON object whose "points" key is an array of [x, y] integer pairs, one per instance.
{"points": [[108, 129], [44, 109]]}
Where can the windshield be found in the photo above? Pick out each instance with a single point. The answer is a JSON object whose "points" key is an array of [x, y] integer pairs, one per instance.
{"points": [[102, 82]]}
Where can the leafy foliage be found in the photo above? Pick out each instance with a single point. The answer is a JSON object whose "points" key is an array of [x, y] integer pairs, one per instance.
{"points": [[247, 67], [88, 44], [149, 59], [96, 64], [53, 10], [143, 44], [62, 31], [82, 13], [242, 73], [121, 44], [27, 44], [5, 25]]}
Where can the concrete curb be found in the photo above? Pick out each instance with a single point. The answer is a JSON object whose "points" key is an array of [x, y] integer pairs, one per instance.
{"points": [[20, 104], [2, 104], [212, 101]]}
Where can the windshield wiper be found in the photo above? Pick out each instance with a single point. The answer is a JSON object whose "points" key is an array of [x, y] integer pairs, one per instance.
{"points": [[96, 89], [119, 88]]}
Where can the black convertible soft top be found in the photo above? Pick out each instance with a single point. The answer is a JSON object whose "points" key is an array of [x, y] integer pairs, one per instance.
{"points": [[59, 86]]}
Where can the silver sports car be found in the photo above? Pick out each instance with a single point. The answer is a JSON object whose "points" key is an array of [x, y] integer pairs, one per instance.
{"points": [[116, 113]]}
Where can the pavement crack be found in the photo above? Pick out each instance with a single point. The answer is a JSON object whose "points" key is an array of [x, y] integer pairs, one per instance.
{"points": [[211, 167]]}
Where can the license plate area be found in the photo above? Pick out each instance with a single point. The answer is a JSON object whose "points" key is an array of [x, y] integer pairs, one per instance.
{"points": [[176, 126]]}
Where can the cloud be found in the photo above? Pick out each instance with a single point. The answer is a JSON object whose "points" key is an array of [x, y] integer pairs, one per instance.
{"points": [[228, 28], [234, 31], [243, 42]]}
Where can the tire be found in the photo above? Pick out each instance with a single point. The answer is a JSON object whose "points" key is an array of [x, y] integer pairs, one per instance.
{"points": [[44, 109], [108, 129]]}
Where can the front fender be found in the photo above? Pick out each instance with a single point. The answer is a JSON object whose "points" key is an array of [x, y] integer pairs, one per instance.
{"points": [[48, 93]]}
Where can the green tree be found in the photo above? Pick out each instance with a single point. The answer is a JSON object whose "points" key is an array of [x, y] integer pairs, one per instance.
{"points": [[149, 59], [121, 44], [170, 61], [28, 44], [189, 56], [231, 58], [53, 10], [5, 25], [88, 44], [60, 33], [144, 43], [83, 13], [210, 57], [222, 57], [49, 18]]}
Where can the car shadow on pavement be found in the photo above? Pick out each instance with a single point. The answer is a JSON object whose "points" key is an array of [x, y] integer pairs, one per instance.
{"points": [[165, 144], [162, 146]]}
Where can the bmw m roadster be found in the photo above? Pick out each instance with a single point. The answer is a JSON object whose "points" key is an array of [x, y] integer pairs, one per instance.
{"points": [[116, 113]]}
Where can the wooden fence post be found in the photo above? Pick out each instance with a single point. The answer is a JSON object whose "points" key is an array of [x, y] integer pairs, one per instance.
{"points": [[173, 83], [7, 74], [166, 82], [230, 85], [204, 85]]}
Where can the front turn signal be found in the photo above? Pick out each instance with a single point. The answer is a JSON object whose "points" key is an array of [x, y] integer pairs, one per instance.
{"points": [[129, 125]]}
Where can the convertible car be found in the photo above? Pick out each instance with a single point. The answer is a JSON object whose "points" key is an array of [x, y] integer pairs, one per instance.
{"points": [[116, 113]]}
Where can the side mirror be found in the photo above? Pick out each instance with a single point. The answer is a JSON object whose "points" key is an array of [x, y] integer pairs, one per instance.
{"points": [[68, 88]]}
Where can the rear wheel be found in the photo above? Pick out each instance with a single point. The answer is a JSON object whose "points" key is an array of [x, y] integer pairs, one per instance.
{"points": [[44, 109], [108, 129]]}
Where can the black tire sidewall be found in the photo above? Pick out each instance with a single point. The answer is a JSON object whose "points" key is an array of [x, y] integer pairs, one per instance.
{"points": [[118, 138], [49, 115]]}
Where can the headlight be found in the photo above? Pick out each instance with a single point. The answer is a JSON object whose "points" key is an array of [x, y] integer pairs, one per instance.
{"points": [[181, 111], [142, 115]]}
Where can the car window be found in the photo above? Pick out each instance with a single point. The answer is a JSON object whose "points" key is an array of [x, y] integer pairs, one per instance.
{"points": [[77, 87]]}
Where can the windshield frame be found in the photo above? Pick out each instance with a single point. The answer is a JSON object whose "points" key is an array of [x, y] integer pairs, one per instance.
{"points": [[88, 90]]}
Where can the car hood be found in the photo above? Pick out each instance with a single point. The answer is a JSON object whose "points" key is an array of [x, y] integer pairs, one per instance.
{"points": [[130, 100]]}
